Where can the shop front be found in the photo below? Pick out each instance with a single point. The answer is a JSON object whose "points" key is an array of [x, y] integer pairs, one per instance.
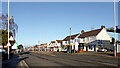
{"points": [[81, 47], [91, 46]]}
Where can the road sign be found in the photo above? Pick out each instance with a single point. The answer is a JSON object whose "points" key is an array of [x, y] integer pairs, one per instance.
{"points": [[11, 38], [8, 44], [14, 46]]}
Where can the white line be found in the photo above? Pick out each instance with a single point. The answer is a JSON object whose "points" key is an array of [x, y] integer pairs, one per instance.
{"points": [[21, 64], [25, 64], [105, 63], [23, 61]]}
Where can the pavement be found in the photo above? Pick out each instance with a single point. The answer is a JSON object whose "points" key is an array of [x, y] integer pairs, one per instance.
{"points": [[48, 59]]}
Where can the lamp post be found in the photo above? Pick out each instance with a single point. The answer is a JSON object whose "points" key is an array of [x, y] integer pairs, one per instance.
{"points": [[9, 18], [70, 40]]}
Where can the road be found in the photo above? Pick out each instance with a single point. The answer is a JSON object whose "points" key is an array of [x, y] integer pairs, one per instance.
{"points": [[64, 59]]}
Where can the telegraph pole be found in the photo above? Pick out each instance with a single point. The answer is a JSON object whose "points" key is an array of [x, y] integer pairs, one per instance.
{"points": [[70, 40], [8, 30], [114, 30], [39, 45]]}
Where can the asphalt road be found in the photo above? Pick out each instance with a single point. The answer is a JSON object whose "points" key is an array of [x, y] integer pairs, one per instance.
{"points": [[61, 59]]}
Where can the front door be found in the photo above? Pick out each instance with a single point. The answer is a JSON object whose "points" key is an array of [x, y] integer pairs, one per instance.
{"points": [[86, 48], [94, 47]]}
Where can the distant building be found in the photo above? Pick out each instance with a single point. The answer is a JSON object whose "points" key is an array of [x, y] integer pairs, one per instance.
{"points": [[95, 39], [74, 42], [58, 45], [43, 47], [52, 45]]}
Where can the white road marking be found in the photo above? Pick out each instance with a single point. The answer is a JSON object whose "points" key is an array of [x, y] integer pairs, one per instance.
{"points": [[21, 64], [105, 63], [25, 64]]}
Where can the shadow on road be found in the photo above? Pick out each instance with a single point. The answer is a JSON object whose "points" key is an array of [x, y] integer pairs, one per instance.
{"points": [[24, 53], [14, 62], [109, 54]]}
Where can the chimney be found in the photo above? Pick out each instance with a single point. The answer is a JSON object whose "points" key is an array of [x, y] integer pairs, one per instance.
{"points": [[102, 27], [82, 31]]}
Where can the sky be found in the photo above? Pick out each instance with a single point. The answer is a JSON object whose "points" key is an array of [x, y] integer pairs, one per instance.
{"points": [[49, 21]]}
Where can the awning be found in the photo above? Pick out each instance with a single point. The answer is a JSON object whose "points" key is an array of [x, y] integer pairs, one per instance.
{"points": [[92, 43]]}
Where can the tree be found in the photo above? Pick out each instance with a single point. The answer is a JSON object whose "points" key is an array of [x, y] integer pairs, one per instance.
{"points": [[5, 37], [12, 25]]}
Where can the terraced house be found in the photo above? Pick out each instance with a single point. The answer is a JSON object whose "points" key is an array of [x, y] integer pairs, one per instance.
{"points": [[94, 40]]}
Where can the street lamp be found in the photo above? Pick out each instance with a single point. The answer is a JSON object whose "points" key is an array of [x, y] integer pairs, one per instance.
{"points": [[9, 18]]}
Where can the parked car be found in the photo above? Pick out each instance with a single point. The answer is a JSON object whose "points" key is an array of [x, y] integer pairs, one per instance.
{"points": [[2, 50], [109, 49], [4, 54], [102, 50]]}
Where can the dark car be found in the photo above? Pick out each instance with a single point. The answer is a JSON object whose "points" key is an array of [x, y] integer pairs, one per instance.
{"points": [[109, 49]]}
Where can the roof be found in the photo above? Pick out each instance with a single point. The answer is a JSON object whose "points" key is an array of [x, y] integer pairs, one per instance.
{"points": [[59, 41], [72, 37], [52, 41], [43, 44], [90, 33]]}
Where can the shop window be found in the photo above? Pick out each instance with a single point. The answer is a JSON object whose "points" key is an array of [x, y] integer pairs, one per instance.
{"points": [[87, 39], [91, 47]]}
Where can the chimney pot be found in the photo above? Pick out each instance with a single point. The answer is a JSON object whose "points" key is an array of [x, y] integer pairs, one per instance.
{"points": [[82, 31], [102, 27]]}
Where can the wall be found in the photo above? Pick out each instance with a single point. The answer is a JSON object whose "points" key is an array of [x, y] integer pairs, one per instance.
{"points": [[103, 35]]}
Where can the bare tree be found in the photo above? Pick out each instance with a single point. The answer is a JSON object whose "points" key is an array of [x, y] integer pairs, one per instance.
{"points": [[12, 25]]}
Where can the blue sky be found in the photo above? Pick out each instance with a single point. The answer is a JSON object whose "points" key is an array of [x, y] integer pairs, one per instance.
{"points": [[48, 21]]}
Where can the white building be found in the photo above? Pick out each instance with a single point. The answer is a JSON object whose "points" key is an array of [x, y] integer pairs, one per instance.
{"points": [[58, 45], [95, 39], [74, 42], [52, 45]]}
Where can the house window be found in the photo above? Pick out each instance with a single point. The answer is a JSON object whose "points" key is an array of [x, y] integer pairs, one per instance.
{"points": [[83, 39], [87, 39], [68, 42], [92, 38], [76, 40], [65, 42]]}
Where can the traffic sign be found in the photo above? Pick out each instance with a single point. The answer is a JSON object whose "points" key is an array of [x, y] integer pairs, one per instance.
{"points": [[15, 46], [11, 38], [8, 44]]}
